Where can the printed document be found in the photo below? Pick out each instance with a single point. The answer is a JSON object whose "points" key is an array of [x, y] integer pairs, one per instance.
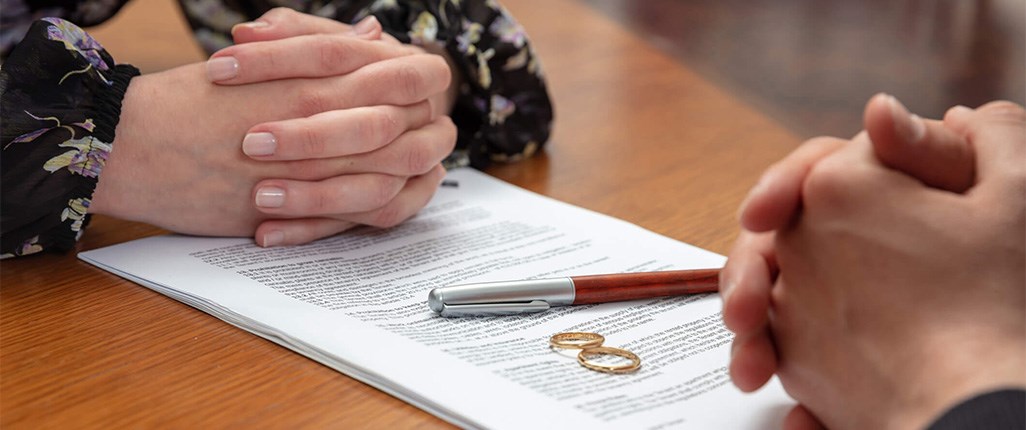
{"points": [[357, 302]]}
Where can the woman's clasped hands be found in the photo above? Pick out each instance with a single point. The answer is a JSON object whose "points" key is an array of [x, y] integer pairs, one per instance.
{"points": [[303, 129]]}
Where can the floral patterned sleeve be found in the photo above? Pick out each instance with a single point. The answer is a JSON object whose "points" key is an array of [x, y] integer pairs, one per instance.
{"points": [[503, 111], [60, 100]]}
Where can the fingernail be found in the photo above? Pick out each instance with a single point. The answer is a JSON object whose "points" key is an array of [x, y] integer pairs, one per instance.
{"points": [[365, 26], [252, 24], [270, 197], [222, 68], [274, 238], [258, 144], [910, 127]]}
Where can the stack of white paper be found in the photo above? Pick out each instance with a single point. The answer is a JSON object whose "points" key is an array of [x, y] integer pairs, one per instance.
{"points": [[357, 303]]}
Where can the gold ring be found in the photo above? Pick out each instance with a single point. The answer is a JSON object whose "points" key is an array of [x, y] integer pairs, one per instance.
{"points": [[576, 340], [605, 350]]}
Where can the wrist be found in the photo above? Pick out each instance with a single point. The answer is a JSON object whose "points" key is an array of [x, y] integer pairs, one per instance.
{"points": [[110, 120], [109, 196], [956, 366]]}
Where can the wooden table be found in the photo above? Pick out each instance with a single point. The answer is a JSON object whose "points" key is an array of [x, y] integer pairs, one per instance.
{"points": [[638, 136]]}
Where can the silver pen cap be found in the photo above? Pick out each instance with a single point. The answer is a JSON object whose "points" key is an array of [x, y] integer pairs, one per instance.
{"points": [[501, 298]]}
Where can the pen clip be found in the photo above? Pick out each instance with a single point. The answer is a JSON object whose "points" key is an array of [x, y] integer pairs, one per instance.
{"points": [[493, 309]]}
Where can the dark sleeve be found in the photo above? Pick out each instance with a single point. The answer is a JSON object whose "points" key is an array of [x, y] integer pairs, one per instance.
{"points": [[18, 16], [1004, 409], [60, 100], [503, 111]]}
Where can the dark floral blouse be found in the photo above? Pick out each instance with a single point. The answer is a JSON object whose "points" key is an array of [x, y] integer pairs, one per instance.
{"points": [[61, 92]]}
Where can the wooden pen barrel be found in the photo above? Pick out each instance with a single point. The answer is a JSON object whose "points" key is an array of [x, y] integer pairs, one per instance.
{"points": [[632, 286]]}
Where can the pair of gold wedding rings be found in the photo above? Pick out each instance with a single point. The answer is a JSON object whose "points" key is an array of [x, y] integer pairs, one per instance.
{"points": [[591, 348]]}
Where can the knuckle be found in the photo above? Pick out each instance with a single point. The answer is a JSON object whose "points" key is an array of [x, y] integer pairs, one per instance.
{"points": [[418, 160], [409, 81], [379, 127], [827, 184], [388, 216], [310, 101], [312, 144], [332, 53], [321, 200], [382, 192], [1005, 110], [427, 153], [997, 115]]}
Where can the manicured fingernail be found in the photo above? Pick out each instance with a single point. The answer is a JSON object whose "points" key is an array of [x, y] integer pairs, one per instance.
{"points": [[222, 68], [252, 24], [365, 26], [910, 127], [273, 238], [270, 197], [258, 144]]}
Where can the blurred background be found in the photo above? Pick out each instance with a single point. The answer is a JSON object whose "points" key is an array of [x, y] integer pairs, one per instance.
{"points": [[808, 64], [812, 64]]}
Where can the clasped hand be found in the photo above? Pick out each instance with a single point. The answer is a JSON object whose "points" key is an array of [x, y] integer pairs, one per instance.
{"points": [[882, 278], [305, 128]]}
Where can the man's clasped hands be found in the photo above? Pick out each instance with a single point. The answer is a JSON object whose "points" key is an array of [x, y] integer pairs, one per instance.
{"points": [[882, 278], [328, 125]]}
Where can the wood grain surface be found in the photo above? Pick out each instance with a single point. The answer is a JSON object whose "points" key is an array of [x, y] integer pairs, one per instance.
{"points": [[638, 136]]}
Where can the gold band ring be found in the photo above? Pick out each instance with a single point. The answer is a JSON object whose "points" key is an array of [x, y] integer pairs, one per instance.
{"points": [[576, 340], [605, 350]]}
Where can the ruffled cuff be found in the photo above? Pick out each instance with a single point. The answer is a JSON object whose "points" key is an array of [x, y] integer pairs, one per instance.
{"points": [[61, 102]]}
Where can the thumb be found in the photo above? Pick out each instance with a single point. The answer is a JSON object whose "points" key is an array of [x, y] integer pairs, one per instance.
{"points": [[923, 149]]}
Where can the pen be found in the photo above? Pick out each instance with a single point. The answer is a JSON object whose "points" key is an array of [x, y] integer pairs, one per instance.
{"points": [[537, 295]]}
